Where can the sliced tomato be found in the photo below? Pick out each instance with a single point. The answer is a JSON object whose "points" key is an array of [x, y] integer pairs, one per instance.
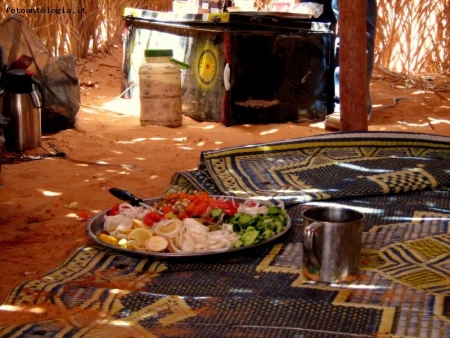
{"points": [[228, 207], [190, 208], [231, 211], [202, 197], [167, 208], [173, 196], [200, 209], [114, 210], [210, 220], [182, 215], [156, 216], [148, 221], [83, 215], [218, 204], [191, 197], [152, 217]]}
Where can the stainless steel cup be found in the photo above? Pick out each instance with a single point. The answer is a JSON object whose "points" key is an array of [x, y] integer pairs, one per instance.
{"points": [[332, 244]]}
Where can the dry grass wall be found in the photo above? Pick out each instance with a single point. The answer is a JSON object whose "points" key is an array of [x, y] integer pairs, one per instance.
{"points": [[412, 35], [91, 25]]}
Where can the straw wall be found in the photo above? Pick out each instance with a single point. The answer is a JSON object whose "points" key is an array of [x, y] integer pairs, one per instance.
{"points": [[412, 37], [92, 25]]}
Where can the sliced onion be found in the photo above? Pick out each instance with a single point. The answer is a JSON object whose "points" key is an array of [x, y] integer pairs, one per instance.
{"points": [[188, 246], [126, 209], [222, 244], [233, 237], [191, 224], [252, 210], [156, 244], [218, 233], [119, 235], [125, 228], [113, 222], [187, 236], [141, 212], [198, 237], [168, 228], [201, 247], [195, 237], [174, 246]]}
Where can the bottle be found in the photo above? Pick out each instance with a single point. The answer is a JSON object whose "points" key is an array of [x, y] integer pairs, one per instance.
{"points": [[160, 89], [23, 62]]}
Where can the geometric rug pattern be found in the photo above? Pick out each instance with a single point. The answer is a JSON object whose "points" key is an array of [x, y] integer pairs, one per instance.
{"points": [[399, 181], [403, 291], [330, 166]]}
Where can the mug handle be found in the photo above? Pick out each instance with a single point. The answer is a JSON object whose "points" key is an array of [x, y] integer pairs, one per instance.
{"points": [[308, 236]]}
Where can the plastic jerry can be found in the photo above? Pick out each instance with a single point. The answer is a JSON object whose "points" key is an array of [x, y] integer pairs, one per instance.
{"points": [[160, 89]]}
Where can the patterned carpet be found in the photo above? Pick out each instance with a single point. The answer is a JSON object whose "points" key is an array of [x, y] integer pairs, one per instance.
{"points": [[324, 167], [404, 289]]}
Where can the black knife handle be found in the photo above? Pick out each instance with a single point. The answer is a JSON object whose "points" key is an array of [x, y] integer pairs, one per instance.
{"points": [[125, 195]]}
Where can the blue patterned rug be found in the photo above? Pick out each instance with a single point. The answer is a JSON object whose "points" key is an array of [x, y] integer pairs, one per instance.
{"points": [[404, 289], [324, 167]]}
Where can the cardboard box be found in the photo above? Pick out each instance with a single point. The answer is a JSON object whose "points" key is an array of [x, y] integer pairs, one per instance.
{"points": [[245, 68]]}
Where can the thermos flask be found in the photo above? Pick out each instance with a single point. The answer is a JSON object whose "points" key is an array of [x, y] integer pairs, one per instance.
{"points": [[22, 106]]}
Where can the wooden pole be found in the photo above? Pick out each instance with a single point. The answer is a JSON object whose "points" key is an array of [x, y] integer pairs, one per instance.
{"points": [[353, 65]]}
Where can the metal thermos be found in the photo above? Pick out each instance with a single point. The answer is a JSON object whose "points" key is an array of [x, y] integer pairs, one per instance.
{"points": [[23, 108], [2, 78]]}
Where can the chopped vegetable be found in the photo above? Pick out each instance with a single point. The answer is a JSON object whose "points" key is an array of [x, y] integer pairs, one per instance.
{"points": [[114, 210], [266, 234], [192, 222], [167, 208], [250, 236], [238, 243], [216, 213], [256, 227], [82, 215], [244, 220], [152, 217], [229, 208], [273, 210]]}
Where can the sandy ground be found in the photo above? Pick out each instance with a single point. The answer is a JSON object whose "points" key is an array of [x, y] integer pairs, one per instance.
{"points": [[41, 201]]}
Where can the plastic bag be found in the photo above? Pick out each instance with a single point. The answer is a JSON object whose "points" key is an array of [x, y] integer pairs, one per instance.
{"points": [[57, 74], [310, 8]]}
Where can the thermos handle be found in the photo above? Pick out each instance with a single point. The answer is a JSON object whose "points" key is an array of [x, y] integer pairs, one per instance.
{"points": [[41, 89], [308, 237], [2, 79], [3, 71]]}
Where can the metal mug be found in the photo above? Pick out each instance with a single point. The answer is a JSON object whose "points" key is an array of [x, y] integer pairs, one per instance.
{"points": [[332, 238]]}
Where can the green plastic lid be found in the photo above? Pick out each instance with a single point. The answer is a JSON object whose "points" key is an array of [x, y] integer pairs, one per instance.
{"points": [[149, 53]]}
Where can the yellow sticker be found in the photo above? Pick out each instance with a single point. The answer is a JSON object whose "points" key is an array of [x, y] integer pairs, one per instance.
{"points": [[219, 17]]}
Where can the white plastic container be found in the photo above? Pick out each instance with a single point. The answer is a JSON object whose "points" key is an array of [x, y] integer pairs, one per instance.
{"points": [[160, 89], [245, 5]]}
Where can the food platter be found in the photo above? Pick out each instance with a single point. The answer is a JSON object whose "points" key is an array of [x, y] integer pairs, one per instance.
{"points": [[95, 226]]}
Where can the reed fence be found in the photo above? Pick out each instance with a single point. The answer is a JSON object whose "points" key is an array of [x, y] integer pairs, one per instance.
{"points": [[412, 35]]}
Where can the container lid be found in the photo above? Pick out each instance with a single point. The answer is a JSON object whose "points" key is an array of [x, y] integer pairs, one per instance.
{"points": [[18, 81], [158, 52]]}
